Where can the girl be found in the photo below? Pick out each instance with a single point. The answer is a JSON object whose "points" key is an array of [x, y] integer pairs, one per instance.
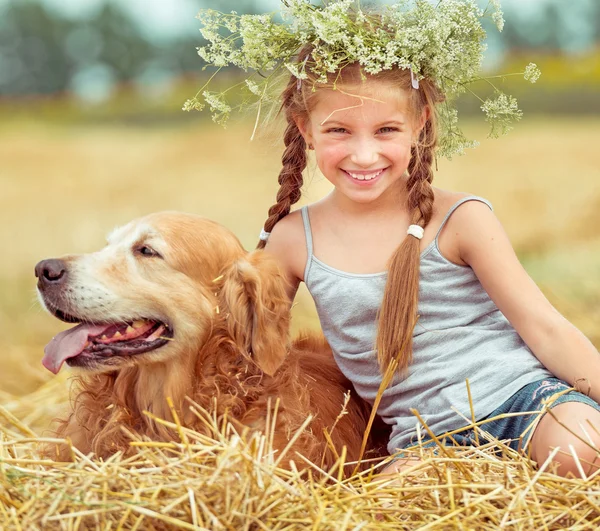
{"points": [[392, 261], [400, 270]]}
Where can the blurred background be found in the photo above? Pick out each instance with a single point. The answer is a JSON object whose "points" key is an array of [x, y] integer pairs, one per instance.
{"points": [[92, 135]]}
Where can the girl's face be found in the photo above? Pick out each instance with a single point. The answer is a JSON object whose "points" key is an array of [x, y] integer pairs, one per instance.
{"points": [[362, 138]]}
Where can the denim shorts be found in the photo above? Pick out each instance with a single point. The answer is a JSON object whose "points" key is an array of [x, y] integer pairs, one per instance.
{"points": [[519, 428]]}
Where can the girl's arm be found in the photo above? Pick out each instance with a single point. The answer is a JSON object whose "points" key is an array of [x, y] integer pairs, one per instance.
{"points": [[560, 346], [287, 243]]}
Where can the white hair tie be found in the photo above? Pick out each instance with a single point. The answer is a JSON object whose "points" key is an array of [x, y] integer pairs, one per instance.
{"points": [[416, 230], [264, 236], [413, 80]]}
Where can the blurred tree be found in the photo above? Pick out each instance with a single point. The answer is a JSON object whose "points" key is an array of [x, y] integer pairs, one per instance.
{"points": [[551, 27], [32, 59], [540, 32], [179, 55], [124, 48], [595, 20], [42, 52]]}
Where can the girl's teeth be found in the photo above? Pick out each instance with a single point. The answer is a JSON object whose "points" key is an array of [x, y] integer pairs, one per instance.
{"points": [[360, 177]]}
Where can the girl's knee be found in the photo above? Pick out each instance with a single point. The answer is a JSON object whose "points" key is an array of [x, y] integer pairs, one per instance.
{"points": [[575, 428], [577, 459]]}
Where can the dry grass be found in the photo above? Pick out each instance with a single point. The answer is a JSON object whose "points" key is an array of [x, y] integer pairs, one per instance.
{"points": [[232, 481]]}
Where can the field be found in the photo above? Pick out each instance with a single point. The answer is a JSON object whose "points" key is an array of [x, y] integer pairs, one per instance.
{"points": [[64, 188]]}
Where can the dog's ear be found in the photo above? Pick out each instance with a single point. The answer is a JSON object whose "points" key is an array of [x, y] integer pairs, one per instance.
{"points": [[254, 295]]}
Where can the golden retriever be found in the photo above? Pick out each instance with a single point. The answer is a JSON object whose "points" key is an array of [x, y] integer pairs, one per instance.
{"points": [[174, 307]]}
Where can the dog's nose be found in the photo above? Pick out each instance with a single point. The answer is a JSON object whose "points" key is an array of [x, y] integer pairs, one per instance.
{"points": [[50, 271]]}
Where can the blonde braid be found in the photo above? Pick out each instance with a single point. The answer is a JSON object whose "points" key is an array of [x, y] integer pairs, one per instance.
{"points": [[294, 162], [398, 312], [420, 193]]}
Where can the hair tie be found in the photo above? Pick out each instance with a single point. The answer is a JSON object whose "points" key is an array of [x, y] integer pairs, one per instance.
{"points": [[588, 384], [264, 236], [299, 80], [416, 230], [413, 80]]}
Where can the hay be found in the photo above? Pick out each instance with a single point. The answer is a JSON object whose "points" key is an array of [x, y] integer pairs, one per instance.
{"points": [[231, 481]]}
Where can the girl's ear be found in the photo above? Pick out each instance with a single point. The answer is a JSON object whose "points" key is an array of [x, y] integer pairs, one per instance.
{"points": [[303, 126], [420, 124], [425, 115]]}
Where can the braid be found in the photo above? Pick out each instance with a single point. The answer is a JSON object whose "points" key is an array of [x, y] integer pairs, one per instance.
{"points": [[420, 194], [398, 312], [290, 177]]}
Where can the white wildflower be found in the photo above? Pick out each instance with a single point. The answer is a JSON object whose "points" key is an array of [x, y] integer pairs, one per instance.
{"points": [[497, 15], [218, 106], [193, 104], [501, 113], [532, 73], [253, 87], [452, 140], [297, 70], [232, 22]]}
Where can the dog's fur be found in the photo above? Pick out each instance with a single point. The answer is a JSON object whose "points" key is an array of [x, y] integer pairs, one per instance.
{"points": [[230, 352]]}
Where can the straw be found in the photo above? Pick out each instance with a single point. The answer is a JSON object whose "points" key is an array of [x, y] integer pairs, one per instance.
{"points": [[229, 480]]}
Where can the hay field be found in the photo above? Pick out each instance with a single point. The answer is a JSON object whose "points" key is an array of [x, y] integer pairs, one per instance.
{"points": [[64, 188]]}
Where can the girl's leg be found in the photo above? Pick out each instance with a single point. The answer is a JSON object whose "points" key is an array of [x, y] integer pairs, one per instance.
{"points": [[400, 465], [549, 434]]}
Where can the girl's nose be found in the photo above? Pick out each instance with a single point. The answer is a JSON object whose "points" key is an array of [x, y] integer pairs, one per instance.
{"points": [[364, 153]]}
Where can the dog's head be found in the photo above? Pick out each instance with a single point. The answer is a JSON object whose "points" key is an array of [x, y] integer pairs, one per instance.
{"points": [[156, 292]]}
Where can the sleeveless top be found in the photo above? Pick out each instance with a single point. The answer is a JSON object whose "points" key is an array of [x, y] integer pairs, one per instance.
{"points": [[460, 334]]}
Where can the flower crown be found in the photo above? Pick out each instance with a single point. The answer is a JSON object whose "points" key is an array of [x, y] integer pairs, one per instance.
{"points": [[441, 42]]}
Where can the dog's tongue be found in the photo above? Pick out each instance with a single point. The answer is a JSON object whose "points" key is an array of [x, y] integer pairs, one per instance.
{"points": [[69, 344]]}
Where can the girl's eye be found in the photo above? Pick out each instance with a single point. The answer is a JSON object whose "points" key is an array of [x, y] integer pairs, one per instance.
{"points": [[336, 130], [145, 250], [388, 130]]}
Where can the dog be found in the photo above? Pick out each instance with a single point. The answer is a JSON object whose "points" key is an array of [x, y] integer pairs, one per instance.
{"points": [[174, 307]]}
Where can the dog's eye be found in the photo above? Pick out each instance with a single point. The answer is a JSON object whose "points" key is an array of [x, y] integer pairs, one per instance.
{"points": [[144, 250]]}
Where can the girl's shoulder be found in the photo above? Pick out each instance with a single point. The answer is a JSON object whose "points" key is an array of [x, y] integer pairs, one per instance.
{"points": [[287, 242], [449, 206], [452, 214], [444, 200]]}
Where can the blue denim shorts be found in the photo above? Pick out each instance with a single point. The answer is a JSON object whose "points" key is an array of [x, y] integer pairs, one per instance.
{"points": [[518, 429]]}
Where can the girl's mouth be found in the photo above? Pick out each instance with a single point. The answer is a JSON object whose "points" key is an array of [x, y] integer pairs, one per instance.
{"points": [[364, 178]]}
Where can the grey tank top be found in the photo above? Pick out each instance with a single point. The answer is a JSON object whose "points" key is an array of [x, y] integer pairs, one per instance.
{"points": [[460, 334]]}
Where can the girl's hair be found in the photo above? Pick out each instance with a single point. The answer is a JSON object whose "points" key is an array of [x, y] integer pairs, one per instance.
{"points": [[398, 312]]}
